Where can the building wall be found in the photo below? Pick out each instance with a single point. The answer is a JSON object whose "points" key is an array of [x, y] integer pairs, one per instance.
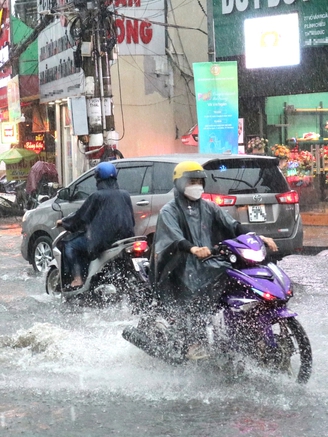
{"points": [[158, 103], [151, 79]]}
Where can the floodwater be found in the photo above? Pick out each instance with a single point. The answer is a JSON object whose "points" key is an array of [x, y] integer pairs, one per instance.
{"points": [[66, 370]]}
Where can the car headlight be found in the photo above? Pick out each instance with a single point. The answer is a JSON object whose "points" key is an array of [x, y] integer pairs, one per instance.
{"points": [[25, 216]]}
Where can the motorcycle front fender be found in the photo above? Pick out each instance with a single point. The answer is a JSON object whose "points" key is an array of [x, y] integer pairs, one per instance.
{"points": [[269, 318], [53, 263], [283, 313]]}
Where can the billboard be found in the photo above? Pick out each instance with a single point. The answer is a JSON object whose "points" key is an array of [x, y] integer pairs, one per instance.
{"points": [[229, 17], [216, 89], [272, 41]]}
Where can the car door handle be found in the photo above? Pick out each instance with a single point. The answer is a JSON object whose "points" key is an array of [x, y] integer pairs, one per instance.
{"points": [[143, 203]]}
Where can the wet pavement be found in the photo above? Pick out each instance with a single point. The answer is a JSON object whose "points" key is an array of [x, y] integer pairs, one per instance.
{"points": [[66, 370]]}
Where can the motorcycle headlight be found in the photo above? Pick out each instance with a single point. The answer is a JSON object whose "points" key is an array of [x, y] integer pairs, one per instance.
{"points": [[253, 255]]}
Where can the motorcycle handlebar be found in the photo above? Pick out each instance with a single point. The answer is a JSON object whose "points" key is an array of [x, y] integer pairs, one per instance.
{"points": [[219, 251]]}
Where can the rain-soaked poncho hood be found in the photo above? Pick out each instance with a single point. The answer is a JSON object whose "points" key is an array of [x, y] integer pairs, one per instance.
{"points": [[178, 272]]}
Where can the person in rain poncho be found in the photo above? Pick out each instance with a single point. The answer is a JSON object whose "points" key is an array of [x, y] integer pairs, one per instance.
{"points": [[105, 217], [187, 227]]}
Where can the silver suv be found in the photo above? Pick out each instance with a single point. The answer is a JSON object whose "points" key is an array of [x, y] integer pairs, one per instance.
{"points": [[251, 188]]}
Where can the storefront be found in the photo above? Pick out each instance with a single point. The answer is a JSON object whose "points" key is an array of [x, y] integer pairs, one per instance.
{"points": [[282, 52], [297, 126]]}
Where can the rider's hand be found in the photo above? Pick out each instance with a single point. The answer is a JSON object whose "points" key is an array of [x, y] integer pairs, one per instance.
{"points": [[270, 243], [58, 223], [200, 252]]}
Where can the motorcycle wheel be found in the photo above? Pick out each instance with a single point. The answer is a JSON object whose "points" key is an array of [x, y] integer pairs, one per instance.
{"points": [[52, 282], [293, 354], [41, 253]]}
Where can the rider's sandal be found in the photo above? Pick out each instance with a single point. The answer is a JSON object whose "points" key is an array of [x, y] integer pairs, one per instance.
{"points": [[197, 352], [72, 288]]}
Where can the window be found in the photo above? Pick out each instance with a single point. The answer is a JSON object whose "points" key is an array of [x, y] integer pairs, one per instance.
{"points": [[163, 177], [132, 179], [244, 177], [83, 188]]}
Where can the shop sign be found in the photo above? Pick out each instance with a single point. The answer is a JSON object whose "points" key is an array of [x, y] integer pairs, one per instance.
{"points": [[4, 115], [8, 133], [135, 34], [216, 87], [36, 146], [35, 142], [13, 95], [4, 54], [58, 76], [229, 17], [19, 171]]}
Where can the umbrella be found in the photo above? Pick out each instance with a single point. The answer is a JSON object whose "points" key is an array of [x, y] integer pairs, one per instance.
{"points": [[40, 170], [13, 156]]}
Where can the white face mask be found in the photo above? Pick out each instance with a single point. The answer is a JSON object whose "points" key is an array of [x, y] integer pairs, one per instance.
{"points": [[194, 192]]}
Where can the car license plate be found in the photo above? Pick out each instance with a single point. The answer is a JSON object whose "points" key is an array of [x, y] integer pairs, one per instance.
{"points": [[137, 261], [257, 213]]}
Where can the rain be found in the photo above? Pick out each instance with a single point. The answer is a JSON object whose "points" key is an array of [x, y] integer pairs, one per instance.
{"points": [[65, 368]]}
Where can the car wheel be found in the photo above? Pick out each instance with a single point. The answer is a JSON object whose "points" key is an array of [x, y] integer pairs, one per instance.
{"points": [[41, 253]]}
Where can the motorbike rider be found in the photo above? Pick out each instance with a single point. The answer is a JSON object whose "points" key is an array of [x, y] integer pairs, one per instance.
{"points": [[187, 227], [105, 217]]}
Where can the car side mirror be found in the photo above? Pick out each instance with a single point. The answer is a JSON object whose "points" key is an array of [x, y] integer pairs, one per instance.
{"points": [[64, 194]]}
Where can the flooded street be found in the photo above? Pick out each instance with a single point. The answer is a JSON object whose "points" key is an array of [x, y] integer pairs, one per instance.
{"points": [[67, 371]]}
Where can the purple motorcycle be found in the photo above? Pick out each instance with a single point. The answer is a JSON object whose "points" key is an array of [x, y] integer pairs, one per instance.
{"points": [[250, 321]]}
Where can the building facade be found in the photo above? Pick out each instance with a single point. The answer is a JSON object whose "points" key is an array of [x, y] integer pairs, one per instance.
{"points": [[119, 74]]}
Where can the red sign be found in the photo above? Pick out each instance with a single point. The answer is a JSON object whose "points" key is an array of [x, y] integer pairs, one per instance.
{"points": [[36, 146]]}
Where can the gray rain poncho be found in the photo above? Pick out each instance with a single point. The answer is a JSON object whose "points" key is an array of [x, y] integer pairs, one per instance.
{"points": [[174, 272]]}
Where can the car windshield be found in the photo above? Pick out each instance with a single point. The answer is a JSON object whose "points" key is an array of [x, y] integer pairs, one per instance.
{"points": [[243, 176]]}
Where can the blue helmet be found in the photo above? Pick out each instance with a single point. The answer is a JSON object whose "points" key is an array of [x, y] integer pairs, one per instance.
{"points": [[105, 170]]}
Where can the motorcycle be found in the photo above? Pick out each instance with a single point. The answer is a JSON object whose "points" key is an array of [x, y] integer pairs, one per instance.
{"points": [[46, 191], [115, 274], [42, 184], [249, 321]]}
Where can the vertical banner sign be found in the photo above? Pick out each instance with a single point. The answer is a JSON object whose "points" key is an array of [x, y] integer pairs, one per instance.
{"points": [[216, 87], [14, 99]]}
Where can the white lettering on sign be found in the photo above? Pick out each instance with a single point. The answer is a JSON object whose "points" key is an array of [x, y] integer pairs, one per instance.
{"points": [[136, 34], [241, 5]]}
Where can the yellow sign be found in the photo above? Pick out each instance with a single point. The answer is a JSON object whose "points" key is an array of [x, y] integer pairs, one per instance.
{"points": [[19, 171], [8, 133]]}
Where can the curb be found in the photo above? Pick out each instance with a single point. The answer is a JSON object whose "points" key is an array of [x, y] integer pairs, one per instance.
{"points": [[312, 250], [314, 218]]}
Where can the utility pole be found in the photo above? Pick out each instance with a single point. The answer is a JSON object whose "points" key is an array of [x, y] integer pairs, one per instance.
{"points": [[210, 32], [98, 79]]}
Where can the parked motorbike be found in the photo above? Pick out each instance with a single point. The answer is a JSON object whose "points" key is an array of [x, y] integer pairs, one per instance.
{"points": [[117, 273], [6, 186], [42, 183], [46, 191], [13, 199], [249, 321]]}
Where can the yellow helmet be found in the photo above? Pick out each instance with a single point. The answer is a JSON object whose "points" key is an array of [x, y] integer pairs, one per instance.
{"points": [[188, 169]]}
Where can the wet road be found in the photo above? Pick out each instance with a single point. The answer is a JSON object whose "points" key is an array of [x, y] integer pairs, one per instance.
{"points": [[66, 370]]}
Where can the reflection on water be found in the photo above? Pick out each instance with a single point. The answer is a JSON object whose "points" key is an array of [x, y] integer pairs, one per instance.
{"points": [[71, 363]]}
